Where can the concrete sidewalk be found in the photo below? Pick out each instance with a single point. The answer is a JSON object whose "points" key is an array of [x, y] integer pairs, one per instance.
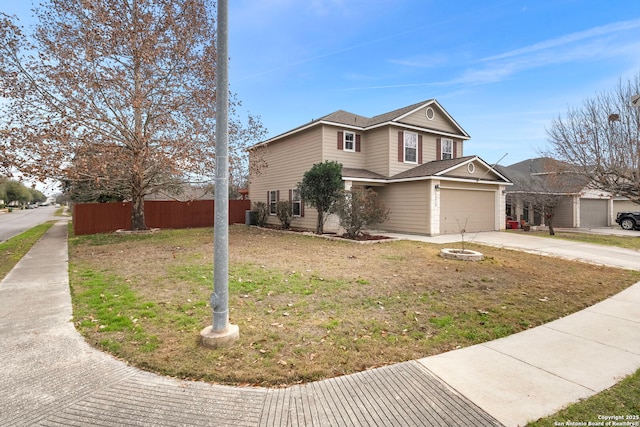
{"points": [[50, 376]]}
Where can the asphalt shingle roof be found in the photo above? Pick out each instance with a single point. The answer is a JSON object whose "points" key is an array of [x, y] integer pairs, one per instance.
{"points": [[431, 168], [546, 175]]}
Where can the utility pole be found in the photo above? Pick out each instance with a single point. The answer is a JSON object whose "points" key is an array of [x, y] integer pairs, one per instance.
{"points": [[221, 333]]}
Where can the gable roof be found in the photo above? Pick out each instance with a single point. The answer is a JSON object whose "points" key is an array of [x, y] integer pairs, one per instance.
{"points": [[434, 169], [357, 122]]}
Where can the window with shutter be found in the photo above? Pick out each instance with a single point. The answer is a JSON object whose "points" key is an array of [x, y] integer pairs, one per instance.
{"points": [[447, 149], [273, 199], [410, 147], [296, 202], [349, 141]]}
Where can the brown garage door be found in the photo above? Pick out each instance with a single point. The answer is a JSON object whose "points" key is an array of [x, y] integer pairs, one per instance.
{"points": [[471, 210], [594, 213]]}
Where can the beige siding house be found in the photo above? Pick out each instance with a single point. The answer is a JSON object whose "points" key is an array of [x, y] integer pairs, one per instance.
{"points": [[578, 203], [412, 157]]}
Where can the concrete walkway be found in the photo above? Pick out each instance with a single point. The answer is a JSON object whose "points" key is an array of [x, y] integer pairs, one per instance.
{"points": [[50, 376]]}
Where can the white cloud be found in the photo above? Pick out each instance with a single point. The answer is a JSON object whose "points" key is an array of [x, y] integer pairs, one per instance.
{"points": [[603, 30]]}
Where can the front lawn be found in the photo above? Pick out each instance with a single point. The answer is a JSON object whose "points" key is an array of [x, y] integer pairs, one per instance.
{"points": [[310, 308]]}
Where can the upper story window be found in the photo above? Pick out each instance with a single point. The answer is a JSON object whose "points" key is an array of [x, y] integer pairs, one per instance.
{"points": [[447, 149], [349, 141], [410, 147]]}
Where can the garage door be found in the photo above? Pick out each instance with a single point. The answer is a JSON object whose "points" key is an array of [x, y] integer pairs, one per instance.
{"points": [[594, 213], [471, 210], [624, 205]]}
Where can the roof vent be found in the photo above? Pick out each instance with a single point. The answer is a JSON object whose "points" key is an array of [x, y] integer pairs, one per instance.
{"points": [[429, 113]]}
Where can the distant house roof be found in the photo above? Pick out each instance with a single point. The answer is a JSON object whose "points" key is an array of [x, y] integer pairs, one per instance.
{"points": [[357, 122], [546, 175], [183, 192]]}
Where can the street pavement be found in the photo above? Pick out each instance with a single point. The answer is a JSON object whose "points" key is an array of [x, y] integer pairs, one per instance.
{"points": [[50, 376], [20, 220]]}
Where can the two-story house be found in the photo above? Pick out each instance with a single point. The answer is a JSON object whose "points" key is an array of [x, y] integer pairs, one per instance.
{"points": [[412, 157]]}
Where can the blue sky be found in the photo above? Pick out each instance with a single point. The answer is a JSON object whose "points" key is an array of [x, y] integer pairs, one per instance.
{"points": [[502, 69]]}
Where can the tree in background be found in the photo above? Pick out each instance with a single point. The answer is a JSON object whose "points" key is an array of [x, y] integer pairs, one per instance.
{"points": [[321, 186], [359, 208], [602, 137], [37, 196], [119, 94], [15, 192], [3, 193]]}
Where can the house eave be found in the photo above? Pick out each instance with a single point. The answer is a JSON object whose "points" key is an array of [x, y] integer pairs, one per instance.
{"points": [[476, 159], [463, 135], [545, 193], [371, 180], [425, 178]]}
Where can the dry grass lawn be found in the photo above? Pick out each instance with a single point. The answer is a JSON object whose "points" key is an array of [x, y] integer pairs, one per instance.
{"points": [[310, 308]]}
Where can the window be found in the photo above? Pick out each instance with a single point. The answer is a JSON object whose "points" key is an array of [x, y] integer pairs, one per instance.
{"points": [[471, 168], [447, 149], [429, 113], [296, 202], [410, 147], [273, 199], [349, 141]]}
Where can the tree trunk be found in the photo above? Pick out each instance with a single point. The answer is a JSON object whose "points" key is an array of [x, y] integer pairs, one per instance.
{"points": [[137, 205], [320, 223], [137, 214], [140, 149], [550, 225]]}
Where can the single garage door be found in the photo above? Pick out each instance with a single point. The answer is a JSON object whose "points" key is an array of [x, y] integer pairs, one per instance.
{"points": [[471, 210], [594, 213], [624, 205]]}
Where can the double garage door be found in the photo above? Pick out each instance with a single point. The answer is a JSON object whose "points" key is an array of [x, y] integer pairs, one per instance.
{"points": [[468, 210]]}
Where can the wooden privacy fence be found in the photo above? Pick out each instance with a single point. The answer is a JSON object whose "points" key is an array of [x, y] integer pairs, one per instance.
{"points": [[93, 218]]}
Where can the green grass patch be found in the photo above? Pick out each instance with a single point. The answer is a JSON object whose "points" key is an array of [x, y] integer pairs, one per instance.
{"points": [[105, 303], [621, 401], [16, 247]]}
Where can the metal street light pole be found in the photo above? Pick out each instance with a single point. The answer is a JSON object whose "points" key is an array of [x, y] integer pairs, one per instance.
{"points": [[221, 332]]}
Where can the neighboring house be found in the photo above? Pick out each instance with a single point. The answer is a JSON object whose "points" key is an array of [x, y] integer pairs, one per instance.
{"points": [[412, 157], [579, 204], [184, 192]]}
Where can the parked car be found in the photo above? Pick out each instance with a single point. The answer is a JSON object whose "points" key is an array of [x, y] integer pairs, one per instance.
{"points": [[628, 220]]}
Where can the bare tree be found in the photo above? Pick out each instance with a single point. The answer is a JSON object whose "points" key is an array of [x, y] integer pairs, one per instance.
{"points": [[602, 137], [545, 184], [131, 82]]}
